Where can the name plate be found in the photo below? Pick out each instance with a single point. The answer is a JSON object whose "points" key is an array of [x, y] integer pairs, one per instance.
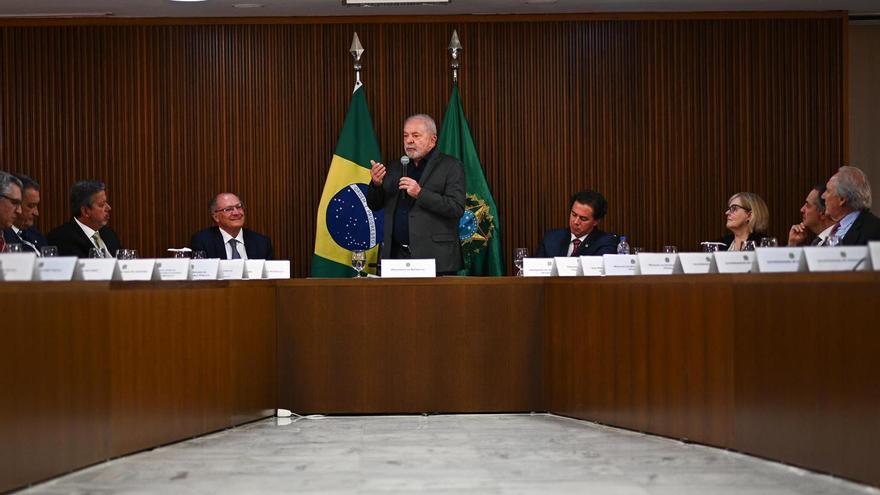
{"points": [[276, 269], [696, 263], [838, 259], [253, 269], [172, 269], [94, 269], [55, 268], [417, 268], [591, 266], [132, 270], [565, 266], [781, 260], [657, 263], [874, 248], [537, 267], [17, 266], [231, 269], [204, 269], [621, 264], [736, 261]]}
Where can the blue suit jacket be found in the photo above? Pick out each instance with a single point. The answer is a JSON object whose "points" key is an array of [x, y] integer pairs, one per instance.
{"points": [[31, 235], [257, 246], [72, 241], [597, 243]]}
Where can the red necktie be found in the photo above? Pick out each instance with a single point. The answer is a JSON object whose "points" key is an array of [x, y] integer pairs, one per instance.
{"points": [[831, 234], [576, 243]]}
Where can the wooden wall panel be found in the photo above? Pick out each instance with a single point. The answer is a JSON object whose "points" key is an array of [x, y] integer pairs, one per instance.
{"points": [[668, 117]]}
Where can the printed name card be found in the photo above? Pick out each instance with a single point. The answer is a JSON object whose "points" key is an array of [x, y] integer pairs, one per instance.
{"points": [[781, 260], [537, 267], [94, 269], [696, 263], [55, 268], [416, 268], [591, 266], [657, 263], [621, 264], [17, 266], [736, 261], [204, 269], [838, 259], [172, 269], [276, 269], [132, 270], [231, 269], [874, 248], [253, 269], [565, 266]]}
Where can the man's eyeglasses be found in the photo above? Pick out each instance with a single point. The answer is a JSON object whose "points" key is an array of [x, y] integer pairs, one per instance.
{"points": [[15, 202], [733, 208], [229, 209]]}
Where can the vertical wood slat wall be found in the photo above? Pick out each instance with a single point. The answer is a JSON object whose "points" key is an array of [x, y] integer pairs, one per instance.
{"points": [[667, 117]]}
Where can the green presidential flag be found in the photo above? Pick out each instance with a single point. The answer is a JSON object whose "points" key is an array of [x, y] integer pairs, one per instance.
{"points": [[345, 223], [478, 229]]}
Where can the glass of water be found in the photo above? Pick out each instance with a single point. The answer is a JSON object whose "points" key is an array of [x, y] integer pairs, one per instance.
{"points": [[769, 242], [518, 255], [748, 246], [126, 254], [358, 261], [13, 247], [670, 249], [49, 251]]}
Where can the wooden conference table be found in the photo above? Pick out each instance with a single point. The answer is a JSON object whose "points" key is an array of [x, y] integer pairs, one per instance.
{"points": [[780, 366]]}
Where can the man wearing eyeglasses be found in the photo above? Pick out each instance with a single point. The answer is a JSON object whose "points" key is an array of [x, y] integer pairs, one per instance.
{"points": [[582, 237], [228, 239], [848, 201], [10, 203], [88, 228], [23, 230]]}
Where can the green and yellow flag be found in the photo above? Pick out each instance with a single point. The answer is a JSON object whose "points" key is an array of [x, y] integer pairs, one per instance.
{"points": [[478, 229], [345, 223]]}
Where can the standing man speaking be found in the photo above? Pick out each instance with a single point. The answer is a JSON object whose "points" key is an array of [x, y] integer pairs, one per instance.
{"points": [[423, 195]]}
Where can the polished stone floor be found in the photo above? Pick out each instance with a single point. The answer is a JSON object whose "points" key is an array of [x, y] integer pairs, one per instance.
{"points": [[481, 454]]}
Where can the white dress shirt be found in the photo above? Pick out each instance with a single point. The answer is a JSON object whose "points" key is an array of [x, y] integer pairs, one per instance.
{"points": [[239, 246]]}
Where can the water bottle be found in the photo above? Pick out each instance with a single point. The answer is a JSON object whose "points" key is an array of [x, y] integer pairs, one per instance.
{"points": [[623, 246]]}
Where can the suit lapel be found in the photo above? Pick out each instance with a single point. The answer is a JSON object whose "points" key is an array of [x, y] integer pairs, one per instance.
{"points": [[853, 233], [218, 240], [588, 241], [429, 167]]}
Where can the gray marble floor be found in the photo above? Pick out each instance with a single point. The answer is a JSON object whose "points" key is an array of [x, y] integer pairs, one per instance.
{"points": [[483, 454]]}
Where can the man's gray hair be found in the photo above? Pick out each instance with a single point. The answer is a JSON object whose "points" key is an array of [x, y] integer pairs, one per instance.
{"points": [[213, 204], [6, 181], [854, 188], [427, 119]]}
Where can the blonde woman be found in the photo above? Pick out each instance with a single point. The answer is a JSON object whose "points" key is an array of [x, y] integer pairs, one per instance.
{"points": [[747, 217]]}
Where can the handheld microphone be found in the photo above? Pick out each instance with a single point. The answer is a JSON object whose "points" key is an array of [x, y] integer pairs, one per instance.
{"points": [[404, 161]]}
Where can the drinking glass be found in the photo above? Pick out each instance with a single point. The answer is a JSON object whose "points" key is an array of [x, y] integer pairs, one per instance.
{"points": [[126, 254], [13, 247], [518, 255], [748, 246], [95, 253], [181, 254], [49, 251], [637, 250], [358, 261], [769, 242], [199, 255], [709, 247], [670, 249]]}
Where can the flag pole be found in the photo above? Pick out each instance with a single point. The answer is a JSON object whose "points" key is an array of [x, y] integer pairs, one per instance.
{"points": [[454, 48], [356, 51]]}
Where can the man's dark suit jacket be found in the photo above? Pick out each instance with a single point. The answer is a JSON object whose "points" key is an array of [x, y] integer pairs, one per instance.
{"points": [[435, 214], [31, 234], [72, 241], [865, 228], [257, 246], [556, 242]]}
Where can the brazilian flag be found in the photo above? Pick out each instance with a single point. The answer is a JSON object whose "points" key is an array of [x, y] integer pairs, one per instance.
{"points": [[478, 229], [345, 223]]}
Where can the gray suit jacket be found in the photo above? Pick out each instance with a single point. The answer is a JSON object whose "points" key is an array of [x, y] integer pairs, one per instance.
{"points": [[434, 217]]}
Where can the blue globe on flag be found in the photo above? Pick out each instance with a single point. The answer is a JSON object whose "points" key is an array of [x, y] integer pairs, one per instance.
{"points": [[350, 222]]}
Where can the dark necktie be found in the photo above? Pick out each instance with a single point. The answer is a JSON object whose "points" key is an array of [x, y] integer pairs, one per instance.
{"points": [[575, 244], [235, 255]]}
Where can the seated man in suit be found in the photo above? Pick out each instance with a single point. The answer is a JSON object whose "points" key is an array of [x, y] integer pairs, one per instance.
{"points": [[23, 230], [814, 219], [848, 202], [88, 228], [10, 203], [582, 237], [229, 240]]}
